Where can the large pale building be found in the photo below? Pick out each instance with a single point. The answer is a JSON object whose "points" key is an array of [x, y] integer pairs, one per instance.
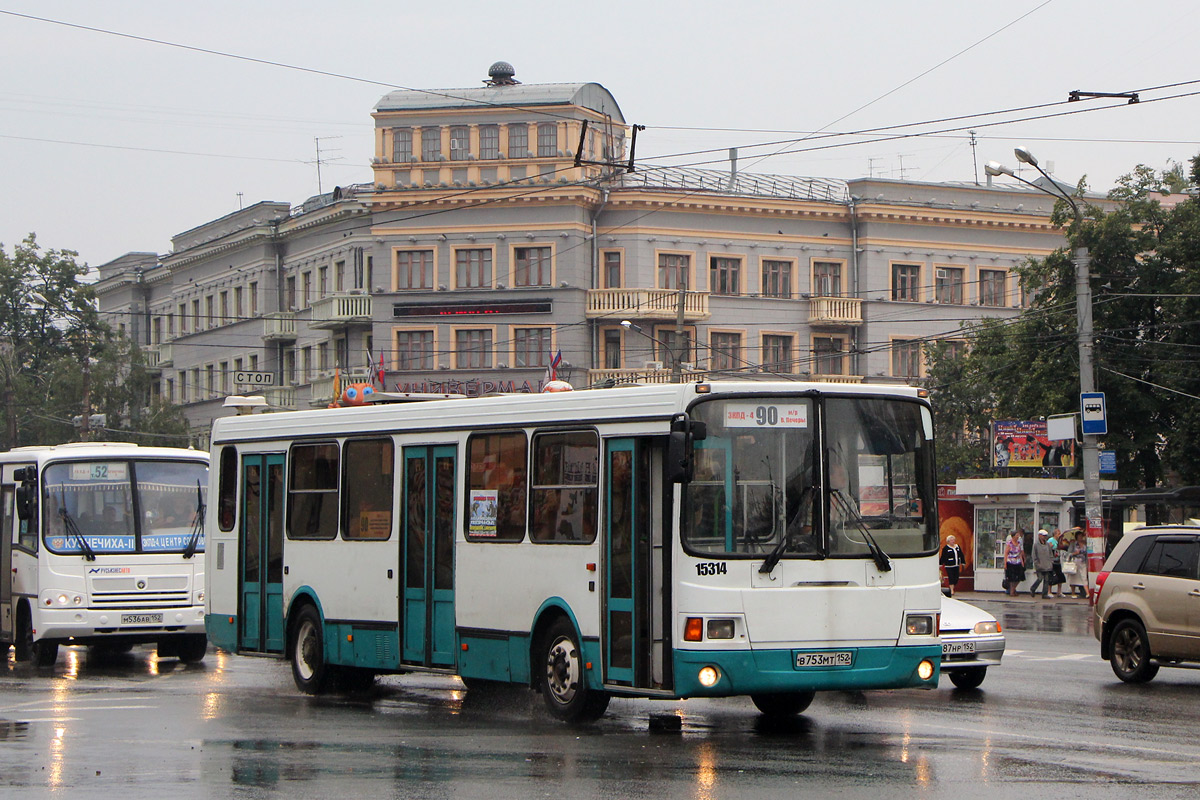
{"points": [[503, 227]]}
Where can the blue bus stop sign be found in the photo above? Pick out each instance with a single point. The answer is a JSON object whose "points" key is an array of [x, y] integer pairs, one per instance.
{"points": [[1093, 416]]}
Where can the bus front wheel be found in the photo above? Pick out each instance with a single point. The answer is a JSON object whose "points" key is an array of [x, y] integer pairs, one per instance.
{"points": [[309, 670], [563, 682], [782, 704], [192, 648]]}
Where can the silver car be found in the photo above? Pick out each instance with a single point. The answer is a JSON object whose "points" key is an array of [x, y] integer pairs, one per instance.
{"points": [[1148, 602], [972, 641]]}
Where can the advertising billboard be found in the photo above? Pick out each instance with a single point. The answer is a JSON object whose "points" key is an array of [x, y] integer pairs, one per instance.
{"points": [[1025, 443]]}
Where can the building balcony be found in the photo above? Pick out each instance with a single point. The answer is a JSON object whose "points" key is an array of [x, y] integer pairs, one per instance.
{"points": [[340, 311], [280, 326], [159, 355], [643, 375], [280, 397], [835, 311], [617, 304], [322, 387]]}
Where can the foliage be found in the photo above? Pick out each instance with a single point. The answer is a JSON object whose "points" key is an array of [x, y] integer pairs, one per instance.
{"points": [[52, 343], [1145, 301]]}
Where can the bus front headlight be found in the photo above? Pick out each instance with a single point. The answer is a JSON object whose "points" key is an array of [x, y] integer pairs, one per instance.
{"points": [[918, 624]]}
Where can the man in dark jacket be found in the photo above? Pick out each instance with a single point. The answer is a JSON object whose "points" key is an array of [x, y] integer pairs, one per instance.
{"points": [[951, 560]]}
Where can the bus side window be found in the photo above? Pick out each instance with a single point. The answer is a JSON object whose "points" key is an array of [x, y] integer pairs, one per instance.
{"points": [[367, 498], [496, 487], [227, 488]]}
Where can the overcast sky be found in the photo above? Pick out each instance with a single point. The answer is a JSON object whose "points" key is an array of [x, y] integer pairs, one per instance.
{"points": [[111, 144]]}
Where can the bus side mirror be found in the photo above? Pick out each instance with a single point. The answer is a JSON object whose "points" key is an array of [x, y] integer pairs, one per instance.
{"points": [[684, 433], [24, 502]]}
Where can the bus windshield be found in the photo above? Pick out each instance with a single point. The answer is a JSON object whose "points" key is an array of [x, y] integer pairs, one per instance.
{"points": [[134, 506], [769, 482]]}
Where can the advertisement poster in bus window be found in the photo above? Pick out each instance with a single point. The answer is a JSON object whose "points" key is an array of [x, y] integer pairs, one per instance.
{"points": [[1025, 443], [483, 512]]}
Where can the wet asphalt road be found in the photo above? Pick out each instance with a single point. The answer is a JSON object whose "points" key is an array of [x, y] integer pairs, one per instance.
{"points": [[1051, 722]]}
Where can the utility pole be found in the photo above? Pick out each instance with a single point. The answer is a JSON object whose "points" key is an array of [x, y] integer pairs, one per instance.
{"points": [[680, 348], [974, 160]]}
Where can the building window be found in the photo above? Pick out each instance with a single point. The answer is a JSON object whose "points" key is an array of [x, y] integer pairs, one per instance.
{"points": [[210, 311], [472, 268], [829, 356], [906, 359], [322, 282], [339, 275], [726, 351], [431, 144], [289, 295], [777, 353], [827, 278], [254, 299], [670, 345], [170, 326], [323, 356], [612, 348], [306, 292], [955, 349], [289, 367], [473, 348], [948, 285], [906, 282], [532, 267], [776, 278], [402, 145], [306, 364], [183, 318], [612, 269], [460, 142], [547, 133], [414, 269], [223, 368], [518, 140], [673, 270], [224, 308], [489, 142], [724, 275], [992, 291], [531, 347], [414, 350], [238, 309]]}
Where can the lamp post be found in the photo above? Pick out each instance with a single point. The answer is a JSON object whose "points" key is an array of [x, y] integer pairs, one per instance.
{"points": [[676, 370], [1093, 503]]}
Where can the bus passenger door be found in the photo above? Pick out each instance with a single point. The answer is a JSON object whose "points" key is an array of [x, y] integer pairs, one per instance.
{"points": [[7, 531], [427, 612], [260, 546], [635, 650]]}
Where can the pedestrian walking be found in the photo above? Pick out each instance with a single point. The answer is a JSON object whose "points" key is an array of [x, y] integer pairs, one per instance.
{"points": [[1043, 564], [1076, 566], [1057, 577], [952, 559], [1014, 561]]}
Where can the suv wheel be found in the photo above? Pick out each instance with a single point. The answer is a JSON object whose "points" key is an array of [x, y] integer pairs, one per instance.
{"points": [[1130, 652]]}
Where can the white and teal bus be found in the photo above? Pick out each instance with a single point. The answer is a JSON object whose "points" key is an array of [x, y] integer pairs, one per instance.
{"points": [[767, 539], [102, 544]]}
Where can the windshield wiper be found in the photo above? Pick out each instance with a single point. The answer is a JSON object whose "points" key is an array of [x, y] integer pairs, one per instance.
{"points": [[73, 530], [198, 527], [882, 562], [772, 560]]}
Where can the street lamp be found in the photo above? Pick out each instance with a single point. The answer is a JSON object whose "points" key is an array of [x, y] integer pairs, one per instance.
{"points": [[1093, 502]]}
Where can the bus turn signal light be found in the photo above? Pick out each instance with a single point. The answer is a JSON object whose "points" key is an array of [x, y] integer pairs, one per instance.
{"points": [[693, 631]]}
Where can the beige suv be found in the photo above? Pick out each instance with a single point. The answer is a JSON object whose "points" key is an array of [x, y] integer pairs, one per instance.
{"points": [[1148, 602]]}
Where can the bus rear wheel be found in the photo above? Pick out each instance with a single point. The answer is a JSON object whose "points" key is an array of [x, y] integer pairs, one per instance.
{"points": [[309, 670], [781, 705], [563, 683]]}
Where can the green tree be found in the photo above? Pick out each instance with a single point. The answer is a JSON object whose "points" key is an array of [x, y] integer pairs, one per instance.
{"points": [[54, 348]]}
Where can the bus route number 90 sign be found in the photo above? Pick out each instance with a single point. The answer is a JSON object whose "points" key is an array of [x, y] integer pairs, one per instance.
{"points": [[766, 415]]}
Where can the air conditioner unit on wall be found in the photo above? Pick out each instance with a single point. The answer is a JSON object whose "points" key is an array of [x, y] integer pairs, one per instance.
{"points": [[654, 365]]}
